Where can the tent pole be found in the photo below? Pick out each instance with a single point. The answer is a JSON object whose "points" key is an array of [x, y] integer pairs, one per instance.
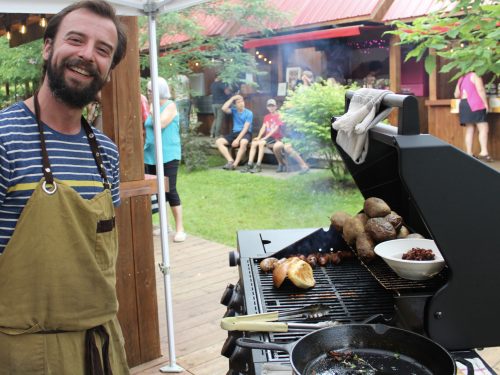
{"points": [[165, 265]]}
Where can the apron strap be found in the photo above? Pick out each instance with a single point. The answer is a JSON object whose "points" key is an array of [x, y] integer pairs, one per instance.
{"points": [[92, 357], [47, 172], [95, 151]]}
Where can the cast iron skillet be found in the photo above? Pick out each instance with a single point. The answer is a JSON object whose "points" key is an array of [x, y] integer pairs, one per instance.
{"points": [[379, 349]]}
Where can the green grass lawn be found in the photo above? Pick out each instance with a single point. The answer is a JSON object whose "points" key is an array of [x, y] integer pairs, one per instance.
{"points": [[218, 203]]}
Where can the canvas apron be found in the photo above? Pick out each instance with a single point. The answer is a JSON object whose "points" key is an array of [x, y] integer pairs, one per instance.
{"points": [[58, 301]]}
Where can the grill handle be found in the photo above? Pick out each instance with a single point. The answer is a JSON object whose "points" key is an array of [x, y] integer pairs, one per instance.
{"points": [[408, 121]]}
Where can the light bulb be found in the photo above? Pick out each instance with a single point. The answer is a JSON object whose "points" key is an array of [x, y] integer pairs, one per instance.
{"points": [[23, 29], [43, 22]]}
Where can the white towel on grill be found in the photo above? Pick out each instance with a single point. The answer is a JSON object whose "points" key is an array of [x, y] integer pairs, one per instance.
{"points": [[361, 115]]}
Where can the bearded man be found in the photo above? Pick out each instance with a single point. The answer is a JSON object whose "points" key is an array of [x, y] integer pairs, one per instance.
{"points": [[59, 184]]}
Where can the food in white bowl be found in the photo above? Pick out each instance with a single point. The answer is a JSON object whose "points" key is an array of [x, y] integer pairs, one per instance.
{"points": [[392, 253]]}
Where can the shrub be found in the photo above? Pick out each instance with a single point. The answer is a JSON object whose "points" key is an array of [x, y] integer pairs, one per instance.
{"points": [[307, 112], [195, 150]]}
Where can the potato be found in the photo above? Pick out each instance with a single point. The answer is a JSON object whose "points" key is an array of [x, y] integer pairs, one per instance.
{"points": [[281, 270], [363, 217], [415, 235], [297, 271], [338, 219], [380, 229], [267, 264], [352, 228], [364, 247], [394, 219], [376, 207], [403, 232], [300, 274]]}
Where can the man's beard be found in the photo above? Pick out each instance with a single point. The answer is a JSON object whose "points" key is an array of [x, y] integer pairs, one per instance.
{"points": [[73, 95]]}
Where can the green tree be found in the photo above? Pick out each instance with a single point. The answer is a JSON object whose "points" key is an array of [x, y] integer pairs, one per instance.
{"points": [[464, 32], [21, 66], [307, 112], [224, 51]]}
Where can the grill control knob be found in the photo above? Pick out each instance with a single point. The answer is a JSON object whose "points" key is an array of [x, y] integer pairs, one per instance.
{"points": [[226, 296], [234, 258], [239, 359], [230, 343], [237, 300]]}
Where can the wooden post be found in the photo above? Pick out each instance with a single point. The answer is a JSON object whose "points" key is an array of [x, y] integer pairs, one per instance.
{"points": [[136, 285], [395, 64], [433, 80], [394, 73]]}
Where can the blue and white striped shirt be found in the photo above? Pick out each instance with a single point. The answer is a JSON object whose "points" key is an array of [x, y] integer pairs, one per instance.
{"points": [[70, 158]]}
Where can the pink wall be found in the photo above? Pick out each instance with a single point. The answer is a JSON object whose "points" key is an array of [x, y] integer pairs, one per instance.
{"points": [[414, 79]]}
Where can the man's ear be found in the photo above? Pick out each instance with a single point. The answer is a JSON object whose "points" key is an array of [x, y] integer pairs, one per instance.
{"points": [[47, 48]]}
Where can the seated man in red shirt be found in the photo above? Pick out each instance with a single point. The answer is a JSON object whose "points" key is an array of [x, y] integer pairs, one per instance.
{"points": [[269, 133]]}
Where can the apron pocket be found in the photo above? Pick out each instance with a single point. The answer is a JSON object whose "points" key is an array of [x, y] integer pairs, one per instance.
{"points": [[106, 244], [22, 354]]}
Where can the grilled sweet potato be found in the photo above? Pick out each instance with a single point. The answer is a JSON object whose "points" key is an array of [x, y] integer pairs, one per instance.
{"points": [[380, 229], [376, 207], [352, 228]]}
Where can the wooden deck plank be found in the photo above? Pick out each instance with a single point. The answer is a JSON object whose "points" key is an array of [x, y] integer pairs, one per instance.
{"points": [[199, 274]]}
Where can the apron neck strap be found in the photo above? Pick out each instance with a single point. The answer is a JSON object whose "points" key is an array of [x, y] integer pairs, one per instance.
{"points": [[47, 171]]}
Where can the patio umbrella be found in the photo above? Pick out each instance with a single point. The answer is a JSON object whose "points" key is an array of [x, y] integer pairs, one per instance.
{"points": [[135, 8]]}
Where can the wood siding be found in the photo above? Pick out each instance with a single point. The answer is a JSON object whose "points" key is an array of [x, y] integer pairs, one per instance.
{"points": [[446, 126]]}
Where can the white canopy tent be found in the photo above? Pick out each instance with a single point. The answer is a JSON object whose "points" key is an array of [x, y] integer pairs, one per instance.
{"points": [[151, 9]]}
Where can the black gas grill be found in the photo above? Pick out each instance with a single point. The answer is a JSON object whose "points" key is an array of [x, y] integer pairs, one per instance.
{"points": [[441, 193]]}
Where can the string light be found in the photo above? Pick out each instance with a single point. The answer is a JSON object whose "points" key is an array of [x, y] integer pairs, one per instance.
{"points": [[369, 44], [23, 29], [8, 34], [43, 21]]}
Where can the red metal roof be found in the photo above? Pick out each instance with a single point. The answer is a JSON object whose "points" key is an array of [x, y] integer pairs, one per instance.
{"points": [[405, 10], [307, 12], [316, 12], [302, 13]]}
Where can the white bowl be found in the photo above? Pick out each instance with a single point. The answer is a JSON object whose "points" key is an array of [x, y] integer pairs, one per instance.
{"points": [[392, 252]]}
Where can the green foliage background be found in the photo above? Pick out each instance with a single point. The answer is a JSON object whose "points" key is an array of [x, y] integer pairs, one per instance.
{"points": [[308, 111], [467, 36], [19, 67]]}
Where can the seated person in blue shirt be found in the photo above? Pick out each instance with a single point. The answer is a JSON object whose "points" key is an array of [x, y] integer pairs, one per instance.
{"points": [[241, 133]]}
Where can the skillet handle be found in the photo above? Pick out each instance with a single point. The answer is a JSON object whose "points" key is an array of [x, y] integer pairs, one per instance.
{"points": [[463, 361], [256, 344]]}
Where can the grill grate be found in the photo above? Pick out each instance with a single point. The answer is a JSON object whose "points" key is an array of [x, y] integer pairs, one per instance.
{"points": [[348, 288], [391, 281]]}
